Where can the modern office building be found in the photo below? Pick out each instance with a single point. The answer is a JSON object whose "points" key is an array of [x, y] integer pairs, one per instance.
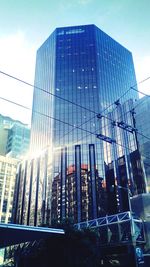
{"points": [[14, 144], [14, 137], [8, 169], [18, 141], [5, 125], [83, 65], [80, 72], [124, 168], [142, 118]]}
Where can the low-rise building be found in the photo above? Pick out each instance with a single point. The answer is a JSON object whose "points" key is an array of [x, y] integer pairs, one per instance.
{"points": [[8, 168]]}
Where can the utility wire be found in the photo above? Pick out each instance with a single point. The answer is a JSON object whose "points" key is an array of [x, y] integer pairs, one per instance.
{"points": [[29, 84], [17, 104], [27, 108], [140, 92], [49, 93], [114, 121], [64, 99], [132, 151], [100, 129], [74, 127], [78, 127], [144, 80], [132, 87], [42, 114], [59, 97], [139, 102], [143, 135]]}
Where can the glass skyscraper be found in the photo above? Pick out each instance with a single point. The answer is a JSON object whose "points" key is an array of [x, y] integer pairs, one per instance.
{"points": [[84, 65], [80, 73], [142, 117]]}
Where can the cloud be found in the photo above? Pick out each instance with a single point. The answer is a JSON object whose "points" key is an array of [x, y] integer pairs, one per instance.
{"points": [[16, 54], [142, 66], [17, 57]]}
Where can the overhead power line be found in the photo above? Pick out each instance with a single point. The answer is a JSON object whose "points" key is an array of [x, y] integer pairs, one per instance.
{"points": [[40, 113], [15, 103], [139, 92], [105, 116], [126, 126], [142, 81], [59, 97], [74, 127], [67, 100], [45, 91], [78, 127]]}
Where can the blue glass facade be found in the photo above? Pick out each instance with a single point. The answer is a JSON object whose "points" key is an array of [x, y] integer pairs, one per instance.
{"points": [[14, 137], [18, 141], [124, 170], [142, 119], [42, 107], [84, 65], [80, 71]]}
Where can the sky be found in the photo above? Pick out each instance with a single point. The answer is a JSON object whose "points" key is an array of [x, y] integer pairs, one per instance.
{"points": [[26, 24]]}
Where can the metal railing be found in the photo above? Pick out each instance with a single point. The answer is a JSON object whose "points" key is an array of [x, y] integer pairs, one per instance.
{"points": [[118, 228]]}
